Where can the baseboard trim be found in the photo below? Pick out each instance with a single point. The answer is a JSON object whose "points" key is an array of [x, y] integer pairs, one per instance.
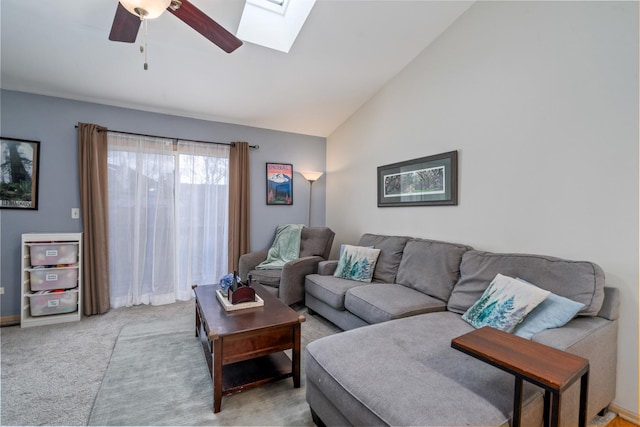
{"points": [[625, 414], [9, 320]]}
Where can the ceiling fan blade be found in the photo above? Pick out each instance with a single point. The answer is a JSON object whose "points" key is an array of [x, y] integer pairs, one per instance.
{"points": [[125, 26], [196, 19]]}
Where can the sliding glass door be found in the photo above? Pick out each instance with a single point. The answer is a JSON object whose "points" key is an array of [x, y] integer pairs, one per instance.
{"points": [[168, 207]]}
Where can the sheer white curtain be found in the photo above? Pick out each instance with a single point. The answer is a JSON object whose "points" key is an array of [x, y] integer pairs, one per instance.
{"points": [[203, 213], [168, 206]]}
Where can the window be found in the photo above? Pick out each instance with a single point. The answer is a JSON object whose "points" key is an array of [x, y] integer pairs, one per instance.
{"points": [[273, 23], [168, 210]]}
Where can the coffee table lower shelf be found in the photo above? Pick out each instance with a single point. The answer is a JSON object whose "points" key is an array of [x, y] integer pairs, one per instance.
{"points": [[255, 372]]}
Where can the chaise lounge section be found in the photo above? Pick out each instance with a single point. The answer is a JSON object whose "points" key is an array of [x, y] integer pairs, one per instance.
{"points": [[394, 365]]}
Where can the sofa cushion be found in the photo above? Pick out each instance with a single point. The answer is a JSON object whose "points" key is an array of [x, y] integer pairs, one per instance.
{"points": [[504, 304], [357, 263], [381, 302], [329, 289], [391, 248], [430, 266], [579, 281], [267, 277]]}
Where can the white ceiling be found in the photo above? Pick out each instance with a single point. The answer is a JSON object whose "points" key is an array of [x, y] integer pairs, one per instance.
{"points": [[346, 51]]}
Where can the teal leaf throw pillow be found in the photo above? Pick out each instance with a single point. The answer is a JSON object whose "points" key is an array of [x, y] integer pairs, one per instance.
{"points": [[357, 263], [504, 304]]}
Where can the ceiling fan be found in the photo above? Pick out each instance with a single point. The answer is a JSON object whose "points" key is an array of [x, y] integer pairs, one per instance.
{"points": [[130, 13]]}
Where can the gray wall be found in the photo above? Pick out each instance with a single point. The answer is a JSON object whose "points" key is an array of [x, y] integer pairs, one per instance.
{"points": [[541, 101], [51, 121]]}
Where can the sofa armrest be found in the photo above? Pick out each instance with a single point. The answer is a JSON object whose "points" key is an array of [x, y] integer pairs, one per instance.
{"points": [[595, 339], [327, 268], [248, 262], [611, 306], [292, 278]]}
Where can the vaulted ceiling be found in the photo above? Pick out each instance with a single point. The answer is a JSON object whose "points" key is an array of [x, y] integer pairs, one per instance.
{"points": [[347, 50]]}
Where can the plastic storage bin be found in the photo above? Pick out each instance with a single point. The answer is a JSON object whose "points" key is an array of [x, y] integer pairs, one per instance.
{"points": [[43, 279], [53, 303], [53, 253]]}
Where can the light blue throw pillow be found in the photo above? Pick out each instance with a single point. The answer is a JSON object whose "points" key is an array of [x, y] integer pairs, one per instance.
{"points": [[504, 304], [555, 311], [357, 263]]}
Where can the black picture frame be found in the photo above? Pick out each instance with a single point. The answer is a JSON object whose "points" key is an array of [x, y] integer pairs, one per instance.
{"points": [[19, 168], [427, 181], [279, 184]]}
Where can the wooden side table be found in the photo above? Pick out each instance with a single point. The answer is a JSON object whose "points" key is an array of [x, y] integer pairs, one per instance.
{"points": [[552, 369]]}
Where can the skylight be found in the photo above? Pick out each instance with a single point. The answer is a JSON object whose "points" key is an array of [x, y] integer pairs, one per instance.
{"points": [[273, 23]]}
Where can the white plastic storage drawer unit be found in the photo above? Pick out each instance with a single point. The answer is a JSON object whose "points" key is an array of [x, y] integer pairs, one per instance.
{"points": [[51, 278]]}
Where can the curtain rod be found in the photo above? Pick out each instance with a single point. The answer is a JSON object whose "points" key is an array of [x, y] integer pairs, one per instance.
{"points": [[256, 147]]}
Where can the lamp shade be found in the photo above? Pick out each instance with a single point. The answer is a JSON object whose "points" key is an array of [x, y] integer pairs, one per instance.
{"points": [[311, 175], [152, 8]]}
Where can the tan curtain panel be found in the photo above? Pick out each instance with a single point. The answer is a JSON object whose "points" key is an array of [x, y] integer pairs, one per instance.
{"points": [[92, 170], [239, 203]]}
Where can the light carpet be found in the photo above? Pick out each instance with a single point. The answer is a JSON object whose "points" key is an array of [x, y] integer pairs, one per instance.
{"points": [[158, 375]]}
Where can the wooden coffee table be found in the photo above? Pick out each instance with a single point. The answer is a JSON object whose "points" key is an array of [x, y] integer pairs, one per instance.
{"points": [[552, 369], [245, 348]]}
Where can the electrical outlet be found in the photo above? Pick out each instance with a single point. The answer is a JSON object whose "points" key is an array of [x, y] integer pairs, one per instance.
{"points": [[1, 291], [75, 213]]}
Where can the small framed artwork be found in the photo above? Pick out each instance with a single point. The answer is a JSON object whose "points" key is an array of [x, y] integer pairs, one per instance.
{"points": [[19, 173], [279, 184], [427, 181]]}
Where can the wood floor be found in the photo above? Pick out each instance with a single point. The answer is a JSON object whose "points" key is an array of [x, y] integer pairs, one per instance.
{"points": [[619, 422]]}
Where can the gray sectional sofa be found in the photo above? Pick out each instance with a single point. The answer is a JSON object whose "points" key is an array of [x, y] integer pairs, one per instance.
{"points": [[394, 364]]}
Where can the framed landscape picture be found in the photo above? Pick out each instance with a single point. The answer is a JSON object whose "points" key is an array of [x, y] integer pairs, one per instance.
{"points": [[426, 181], [19, 173], [279, 184]]}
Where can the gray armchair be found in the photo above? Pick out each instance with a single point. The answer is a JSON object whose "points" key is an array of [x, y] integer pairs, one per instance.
{"points": [[288, 283]]}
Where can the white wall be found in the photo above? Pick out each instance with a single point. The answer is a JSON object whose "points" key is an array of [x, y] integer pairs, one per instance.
{"points": [[541, 101]]}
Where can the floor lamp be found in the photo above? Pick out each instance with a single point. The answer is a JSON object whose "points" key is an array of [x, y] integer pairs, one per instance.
{"points": [[311, 176]]}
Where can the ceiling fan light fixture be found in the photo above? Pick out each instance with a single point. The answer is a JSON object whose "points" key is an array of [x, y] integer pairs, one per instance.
{"points": [[147, 9], [132, 14]]}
